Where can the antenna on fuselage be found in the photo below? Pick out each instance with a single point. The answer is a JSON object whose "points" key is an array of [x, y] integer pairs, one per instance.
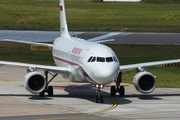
{"points": [[63, 21]]}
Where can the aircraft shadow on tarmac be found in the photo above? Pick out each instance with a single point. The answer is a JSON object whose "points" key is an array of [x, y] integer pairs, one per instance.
{"points": [[151, 96], [84, 92], [88, 92]]}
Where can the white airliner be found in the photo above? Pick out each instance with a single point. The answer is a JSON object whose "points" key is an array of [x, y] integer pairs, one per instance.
{"points": [[81, 60]]}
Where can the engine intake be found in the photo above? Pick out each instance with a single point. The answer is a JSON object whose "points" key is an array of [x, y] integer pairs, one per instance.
{"points": [[144, 82], [34, 82]]}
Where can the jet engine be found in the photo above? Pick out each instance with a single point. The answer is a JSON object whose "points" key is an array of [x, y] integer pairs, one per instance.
{"points": [[144, 82], [34, 82]]}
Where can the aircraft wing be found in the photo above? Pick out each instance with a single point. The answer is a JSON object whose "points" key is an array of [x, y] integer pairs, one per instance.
{"points": [[146, 64], [27, 42], [56, 69]]}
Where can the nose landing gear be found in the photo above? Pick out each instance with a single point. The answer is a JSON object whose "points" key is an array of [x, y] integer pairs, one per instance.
{"points": [[99, 97]]}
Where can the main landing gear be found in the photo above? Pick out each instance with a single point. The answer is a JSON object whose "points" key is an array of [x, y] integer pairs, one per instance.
{"points": [[118, 88], [48, 89], [99, 97]]}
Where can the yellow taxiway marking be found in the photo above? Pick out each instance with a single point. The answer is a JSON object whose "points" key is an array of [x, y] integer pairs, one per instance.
{"points": [[115, 104], [108, 109]]}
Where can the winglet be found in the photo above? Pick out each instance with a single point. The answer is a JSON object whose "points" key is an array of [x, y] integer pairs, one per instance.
{"points": [[63, 21]]}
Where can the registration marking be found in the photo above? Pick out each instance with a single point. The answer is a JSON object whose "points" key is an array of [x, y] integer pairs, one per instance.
{"points": [[39, 47]]}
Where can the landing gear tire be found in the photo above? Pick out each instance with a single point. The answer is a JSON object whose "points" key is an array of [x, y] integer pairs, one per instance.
{"points": [[122, 91], [99, 98], [41, 94], [50, 91], [113, 91]]}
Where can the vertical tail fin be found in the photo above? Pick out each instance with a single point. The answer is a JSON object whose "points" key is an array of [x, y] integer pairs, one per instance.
{"points": [[63, 21]]}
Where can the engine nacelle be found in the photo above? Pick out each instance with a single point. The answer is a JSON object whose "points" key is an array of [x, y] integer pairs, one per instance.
{"points": [[144, 82], [34, 82]]}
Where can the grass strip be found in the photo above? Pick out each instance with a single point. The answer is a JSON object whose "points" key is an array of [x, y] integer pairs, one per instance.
{"points": [[84, 15]]}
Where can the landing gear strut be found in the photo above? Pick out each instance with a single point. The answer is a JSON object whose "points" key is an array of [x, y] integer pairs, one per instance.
{"points": [[99, 97], [118, 88], [48, 89]]}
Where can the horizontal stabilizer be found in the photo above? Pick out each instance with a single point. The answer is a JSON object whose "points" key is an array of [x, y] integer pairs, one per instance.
{"points": [[101, 38], [103, 41]]}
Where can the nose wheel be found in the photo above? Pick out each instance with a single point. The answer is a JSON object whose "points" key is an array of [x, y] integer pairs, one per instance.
{"points": [[99, 97]]}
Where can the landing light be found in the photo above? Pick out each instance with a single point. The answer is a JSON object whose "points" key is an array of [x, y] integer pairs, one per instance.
{"points": [[100, 86]]}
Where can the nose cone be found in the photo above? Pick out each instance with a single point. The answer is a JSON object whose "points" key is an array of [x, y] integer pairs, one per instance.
{"points": [[105, 73]]}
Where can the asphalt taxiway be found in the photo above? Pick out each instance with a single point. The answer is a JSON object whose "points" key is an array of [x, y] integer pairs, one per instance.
{"points": [[77, 101], [121, 38]]}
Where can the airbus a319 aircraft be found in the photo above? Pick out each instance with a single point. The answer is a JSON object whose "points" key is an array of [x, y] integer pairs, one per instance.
{"points": [[88, 61]]}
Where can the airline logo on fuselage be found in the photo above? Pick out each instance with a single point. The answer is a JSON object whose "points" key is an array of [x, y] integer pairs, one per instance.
{"points": [[76, 50]]}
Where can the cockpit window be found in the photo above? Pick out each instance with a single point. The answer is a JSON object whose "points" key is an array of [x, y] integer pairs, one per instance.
{"points": [[100, 59], [115, 59], [109, 59], [94, 59], [90, 58]]}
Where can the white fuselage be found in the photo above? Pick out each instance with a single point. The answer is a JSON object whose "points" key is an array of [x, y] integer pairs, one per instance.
{"points": [[86, 61]]}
